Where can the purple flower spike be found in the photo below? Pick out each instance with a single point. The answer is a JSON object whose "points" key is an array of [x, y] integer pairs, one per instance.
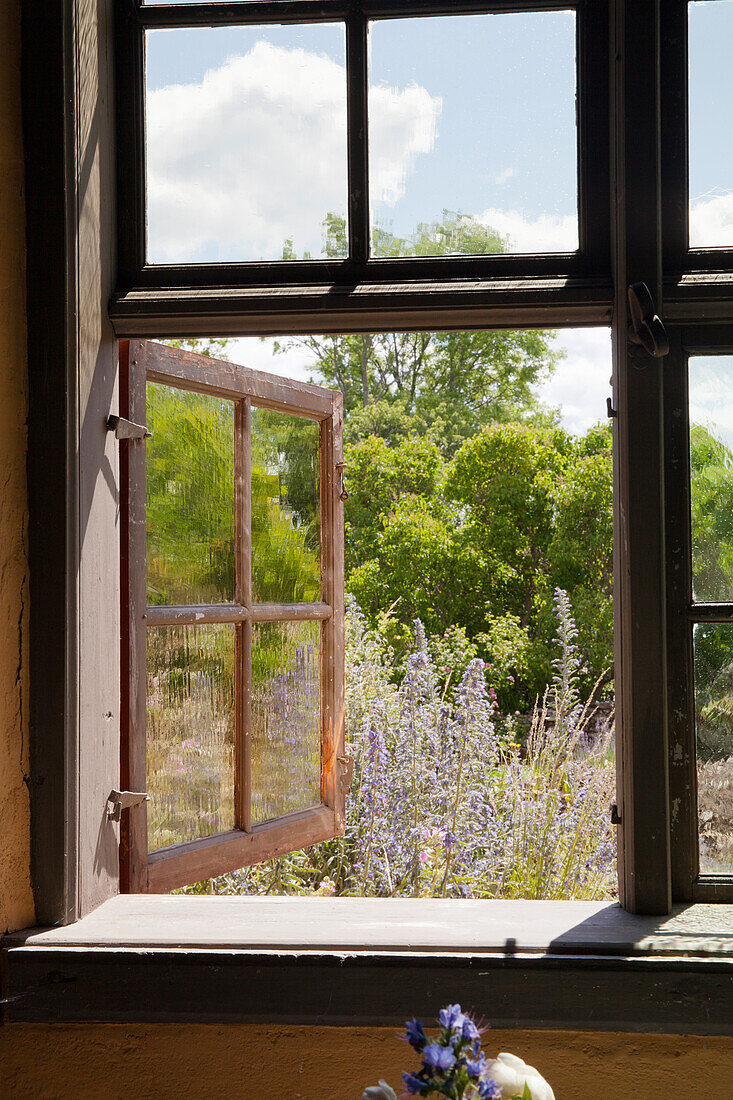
{"points": [[489, 1090]]}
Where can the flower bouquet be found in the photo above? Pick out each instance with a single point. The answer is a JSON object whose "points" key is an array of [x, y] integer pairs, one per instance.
{"points": [[455, 1067]]}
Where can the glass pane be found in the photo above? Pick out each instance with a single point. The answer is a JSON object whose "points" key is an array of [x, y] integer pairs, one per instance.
{"points": [[472, 134], [190, 497], [286, 718], [714, 721], [190, 732], [711, 151], [286, 511], [711, 473], [246, 143]]}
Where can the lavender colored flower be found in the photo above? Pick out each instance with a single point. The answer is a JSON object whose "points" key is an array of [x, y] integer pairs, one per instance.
{"points": [[451, 1017], [475, 1068], [415, 1034], [438, 1057], [489, 1090], [469, 1029], [413, 1083]]}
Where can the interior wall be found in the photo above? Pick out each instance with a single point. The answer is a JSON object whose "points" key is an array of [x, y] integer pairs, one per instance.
{"points": [[170, 1062], [16, 900]]}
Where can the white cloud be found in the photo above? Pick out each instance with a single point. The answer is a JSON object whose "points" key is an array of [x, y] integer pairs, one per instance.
{"points": [[255, 153], [257, 354], [711, 221], [546, 233], [581, 383], [504, 175]]}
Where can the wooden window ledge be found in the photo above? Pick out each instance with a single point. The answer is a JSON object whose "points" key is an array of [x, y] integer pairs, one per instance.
{"points": [[349, 961]]}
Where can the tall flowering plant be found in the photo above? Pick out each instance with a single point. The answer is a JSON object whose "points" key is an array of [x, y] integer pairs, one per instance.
{"points": [[455, 1067]]}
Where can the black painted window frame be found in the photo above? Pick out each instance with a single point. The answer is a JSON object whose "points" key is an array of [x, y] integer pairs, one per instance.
{"points": [[579, 278]]}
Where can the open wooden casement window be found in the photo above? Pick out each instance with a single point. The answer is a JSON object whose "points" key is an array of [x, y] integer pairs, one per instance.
{"points": [[233, 563]]}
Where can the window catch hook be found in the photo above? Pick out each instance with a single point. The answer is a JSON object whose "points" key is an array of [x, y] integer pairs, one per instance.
{"points": [[127, 429], [343, 491], [648, 327], [117, 801]]}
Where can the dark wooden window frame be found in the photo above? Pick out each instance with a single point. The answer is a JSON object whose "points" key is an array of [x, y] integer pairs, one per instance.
{"points": [[180, 864], [683, 613], [72, 143], [234, 299]]}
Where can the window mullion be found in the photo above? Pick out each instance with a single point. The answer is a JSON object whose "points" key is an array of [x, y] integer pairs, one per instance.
{"points": [[639, 566], [357, 78]]}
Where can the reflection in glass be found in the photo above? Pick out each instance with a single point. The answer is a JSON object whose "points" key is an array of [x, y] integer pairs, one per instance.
{"points": [[286, 718], [711, 477], [714, 726], [190, 732], [286, 527], [189, 497], [710, 96], [246, 143], [472, 134]]}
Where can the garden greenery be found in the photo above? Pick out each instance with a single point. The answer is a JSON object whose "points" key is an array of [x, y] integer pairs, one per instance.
{"points": [[451, 798]]}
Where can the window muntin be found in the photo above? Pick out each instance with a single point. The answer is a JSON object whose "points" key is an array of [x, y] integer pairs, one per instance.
{"points": [[235, 705], [490, 98]]}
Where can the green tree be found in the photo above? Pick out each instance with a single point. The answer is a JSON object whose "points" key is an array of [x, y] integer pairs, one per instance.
{"points": [[481, 542], [446, 384]]}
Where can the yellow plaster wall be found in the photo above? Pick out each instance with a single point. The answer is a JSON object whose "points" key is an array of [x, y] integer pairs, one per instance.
{"points": [[170, 1062], [16, 902]]}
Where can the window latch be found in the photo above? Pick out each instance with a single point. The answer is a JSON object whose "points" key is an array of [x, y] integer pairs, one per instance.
{"points": [[117, 801], [126, 429], [343, 491], [647, 325], [347, 773]]}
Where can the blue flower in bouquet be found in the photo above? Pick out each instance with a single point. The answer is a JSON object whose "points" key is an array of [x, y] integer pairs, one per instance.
{"points": [[468, 1029], [436, 1056], [415, 1034], [474, 1069], [413, 1083], [489, 1090], [451, 1017]]}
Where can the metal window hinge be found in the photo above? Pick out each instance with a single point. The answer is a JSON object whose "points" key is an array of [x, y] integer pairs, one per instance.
{"points": [[117, 801], [647, 326], [347, 773], [615, 815], [126, 429], [343, 491], [610, 411]]}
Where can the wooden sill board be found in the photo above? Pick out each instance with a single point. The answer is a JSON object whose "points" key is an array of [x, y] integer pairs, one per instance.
{"points": [[371, 925], [371, 962]]}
